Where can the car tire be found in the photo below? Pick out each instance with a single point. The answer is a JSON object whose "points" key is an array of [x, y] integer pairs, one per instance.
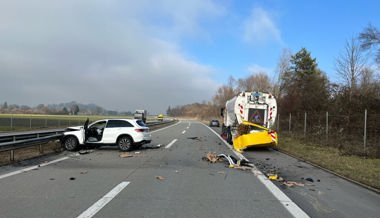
{"points": [[125, 143], [70, 143]]}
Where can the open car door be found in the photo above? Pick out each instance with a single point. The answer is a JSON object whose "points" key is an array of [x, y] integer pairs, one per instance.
{"points": [[85, 130]]}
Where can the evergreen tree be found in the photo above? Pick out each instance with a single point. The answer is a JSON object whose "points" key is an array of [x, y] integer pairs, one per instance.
{"points": [[305, 87]]}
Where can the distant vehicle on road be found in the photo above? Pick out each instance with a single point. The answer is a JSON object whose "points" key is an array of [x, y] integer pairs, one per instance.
{"points": [[214, 123], [160, 117], [125, 133], [140, 115]]}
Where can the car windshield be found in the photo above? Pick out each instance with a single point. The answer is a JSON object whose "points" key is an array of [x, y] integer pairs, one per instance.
{"points": [[141, 123]]}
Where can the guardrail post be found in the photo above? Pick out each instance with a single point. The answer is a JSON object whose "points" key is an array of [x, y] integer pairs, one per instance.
{"points": [[12, 156], [327, 127], [304, 125], [365, 129], [41, 149]]}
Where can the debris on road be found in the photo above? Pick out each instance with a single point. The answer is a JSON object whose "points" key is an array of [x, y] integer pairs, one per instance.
{"points": [[82, 152], [125, 155], [273, 177], [137, 152], [309, 179], [232, 161], [291, 184], [84, 172], [211, 157], [161, 178], [194, 138], [72, 178], [149, 146]]}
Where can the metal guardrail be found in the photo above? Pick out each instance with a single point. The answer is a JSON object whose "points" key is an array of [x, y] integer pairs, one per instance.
{"points": [[17, 138]]}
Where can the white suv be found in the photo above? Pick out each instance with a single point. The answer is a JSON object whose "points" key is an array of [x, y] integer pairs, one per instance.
{"points": [[125, 133]]}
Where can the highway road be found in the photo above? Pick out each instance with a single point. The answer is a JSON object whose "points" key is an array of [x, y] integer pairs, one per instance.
{"points": [[174, 181]]}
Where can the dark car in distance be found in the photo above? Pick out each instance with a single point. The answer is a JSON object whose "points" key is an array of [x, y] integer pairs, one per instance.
{"points": [[214, 123]]}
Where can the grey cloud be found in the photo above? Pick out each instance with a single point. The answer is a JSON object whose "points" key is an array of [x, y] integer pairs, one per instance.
{"points": [[98, 52]]}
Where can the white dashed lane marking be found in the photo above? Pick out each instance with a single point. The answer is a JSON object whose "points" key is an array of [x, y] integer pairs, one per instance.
{"points": [[171, 143]]}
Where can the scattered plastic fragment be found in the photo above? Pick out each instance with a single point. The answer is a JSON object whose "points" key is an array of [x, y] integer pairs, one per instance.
{"points": [[211, 157], [291, 183], [160, 178], [125, 155], [72, 178], [194, 138], [84, 172], [82, 152], [137, 152], [309, 179], [273, 177]]}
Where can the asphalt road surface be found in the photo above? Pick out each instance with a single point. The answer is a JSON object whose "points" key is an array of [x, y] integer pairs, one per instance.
{"points": [[169, 181]]}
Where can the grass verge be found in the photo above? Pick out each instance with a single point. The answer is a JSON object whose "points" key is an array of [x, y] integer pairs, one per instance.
{"points": [[357, 168]]}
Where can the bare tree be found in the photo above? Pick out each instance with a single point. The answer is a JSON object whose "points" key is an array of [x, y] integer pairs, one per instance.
{"points": [[370, 38], [350, 63], [283, 66], [367, 78], [255, 82], [225, 93]]}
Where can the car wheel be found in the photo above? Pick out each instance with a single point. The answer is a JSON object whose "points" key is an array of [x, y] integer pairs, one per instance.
{"points": [[125, 143], [70, 143]]}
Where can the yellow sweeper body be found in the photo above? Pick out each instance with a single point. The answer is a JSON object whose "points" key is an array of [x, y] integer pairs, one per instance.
{"points": [[263, 138], [248, 119]]}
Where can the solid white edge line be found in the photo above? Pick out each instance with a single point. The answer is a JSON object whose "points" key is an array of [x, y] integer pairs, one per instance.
{"points": [[171, 143], [97, 206], [31, 168], [166, 127], [289, 205]]}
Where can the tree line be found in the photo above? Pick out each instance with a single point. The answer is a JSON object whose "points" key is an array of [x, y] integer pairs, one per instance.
{"points": [[301, 86]]}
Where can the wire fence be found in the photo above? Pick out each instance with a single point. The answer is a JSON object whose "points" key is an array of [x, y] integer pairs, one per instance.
{"points": [[358, 133]]}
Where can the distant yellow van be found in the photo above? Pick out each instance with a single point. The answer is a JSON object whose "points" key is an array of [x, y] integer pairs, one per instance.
{"points": [[160, 117]]}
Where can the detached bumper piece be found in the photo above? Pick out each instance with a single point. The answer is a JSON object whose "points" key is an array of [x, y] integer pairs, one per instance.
{"points": [[263, 138]]}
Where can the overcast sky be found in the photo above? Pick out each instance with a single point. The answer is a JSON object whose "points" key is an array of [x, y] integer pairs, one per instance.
{"points": [[128, 54]]}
